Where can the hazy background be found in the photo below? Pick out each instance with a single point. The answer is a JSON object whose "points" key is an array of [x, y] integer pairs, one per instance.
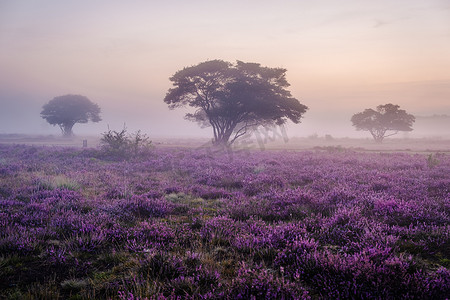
{"points": [[341, 56]]}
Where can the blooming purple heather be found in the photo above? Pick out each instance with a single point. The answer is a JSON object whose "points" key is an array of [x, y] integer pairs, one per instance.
{"points": [[181, 224]]}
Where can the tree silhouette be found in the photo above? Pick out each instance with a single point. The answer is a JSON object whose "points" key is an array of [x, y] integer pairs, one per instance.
{"points": [[65, 111], [385, 118], [233, 98]]}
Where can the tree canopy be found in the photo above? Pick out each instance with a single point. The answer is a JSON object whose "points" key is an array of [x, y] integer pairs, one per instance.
{"points": [[234, 98], [65, 111], [385, 118]]}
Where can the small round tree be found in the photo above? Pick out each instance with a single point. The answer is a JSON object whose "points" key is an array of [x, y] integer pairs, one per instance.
{"points": [[385, 118], [68, 110]]}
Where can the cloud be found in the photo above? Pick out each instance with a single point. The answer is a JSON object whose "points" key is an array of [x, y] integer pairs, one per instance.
{"points": [[380, 23]]}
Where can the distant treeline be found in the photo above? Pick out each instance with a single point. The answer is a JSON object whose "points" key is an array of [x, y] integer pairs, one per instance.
{"points": [[434, 117]]}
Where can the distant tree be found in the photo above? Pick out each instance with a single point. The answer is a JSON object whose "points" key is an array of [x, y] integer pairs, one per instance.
{"points": [[385, 118], [234, 98], [66, 111]]}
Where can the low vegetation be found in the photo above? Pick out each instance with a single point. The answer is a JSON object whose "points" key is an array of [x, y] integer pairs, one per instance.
{"points": [[200, 224], [121, 145]]}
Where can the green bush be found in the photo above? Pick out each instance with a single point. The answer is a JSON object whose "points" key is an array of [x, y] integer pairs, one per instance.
{"points": [[432, 161], [119, 144]]}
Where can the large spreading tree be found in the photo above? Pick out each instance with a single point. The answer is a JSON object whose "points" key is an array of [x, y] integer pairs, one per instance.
{"points": [[234, 98], [68, 110], [386, 118]]}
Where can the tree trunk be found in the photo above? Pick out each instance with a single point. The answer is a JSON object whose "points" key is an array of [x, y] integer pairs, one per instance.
{"points": [[220, 141], [66, 130], [378, 135], [379, 140], [223, 137]]}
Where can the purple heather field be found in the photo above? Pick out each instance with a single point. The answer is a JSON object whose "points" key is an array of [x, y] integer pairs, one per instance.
{"points": [[184, 223]]}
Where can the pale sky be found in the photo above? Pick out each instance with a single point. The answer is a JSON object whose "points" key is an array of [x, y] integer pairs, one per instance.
{"points": [[341, 56]]}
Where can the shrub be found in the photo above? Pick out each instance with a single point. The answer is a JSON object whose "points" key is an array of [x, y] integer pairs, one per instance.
{"points": [[120, 145], [432, 161]]}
